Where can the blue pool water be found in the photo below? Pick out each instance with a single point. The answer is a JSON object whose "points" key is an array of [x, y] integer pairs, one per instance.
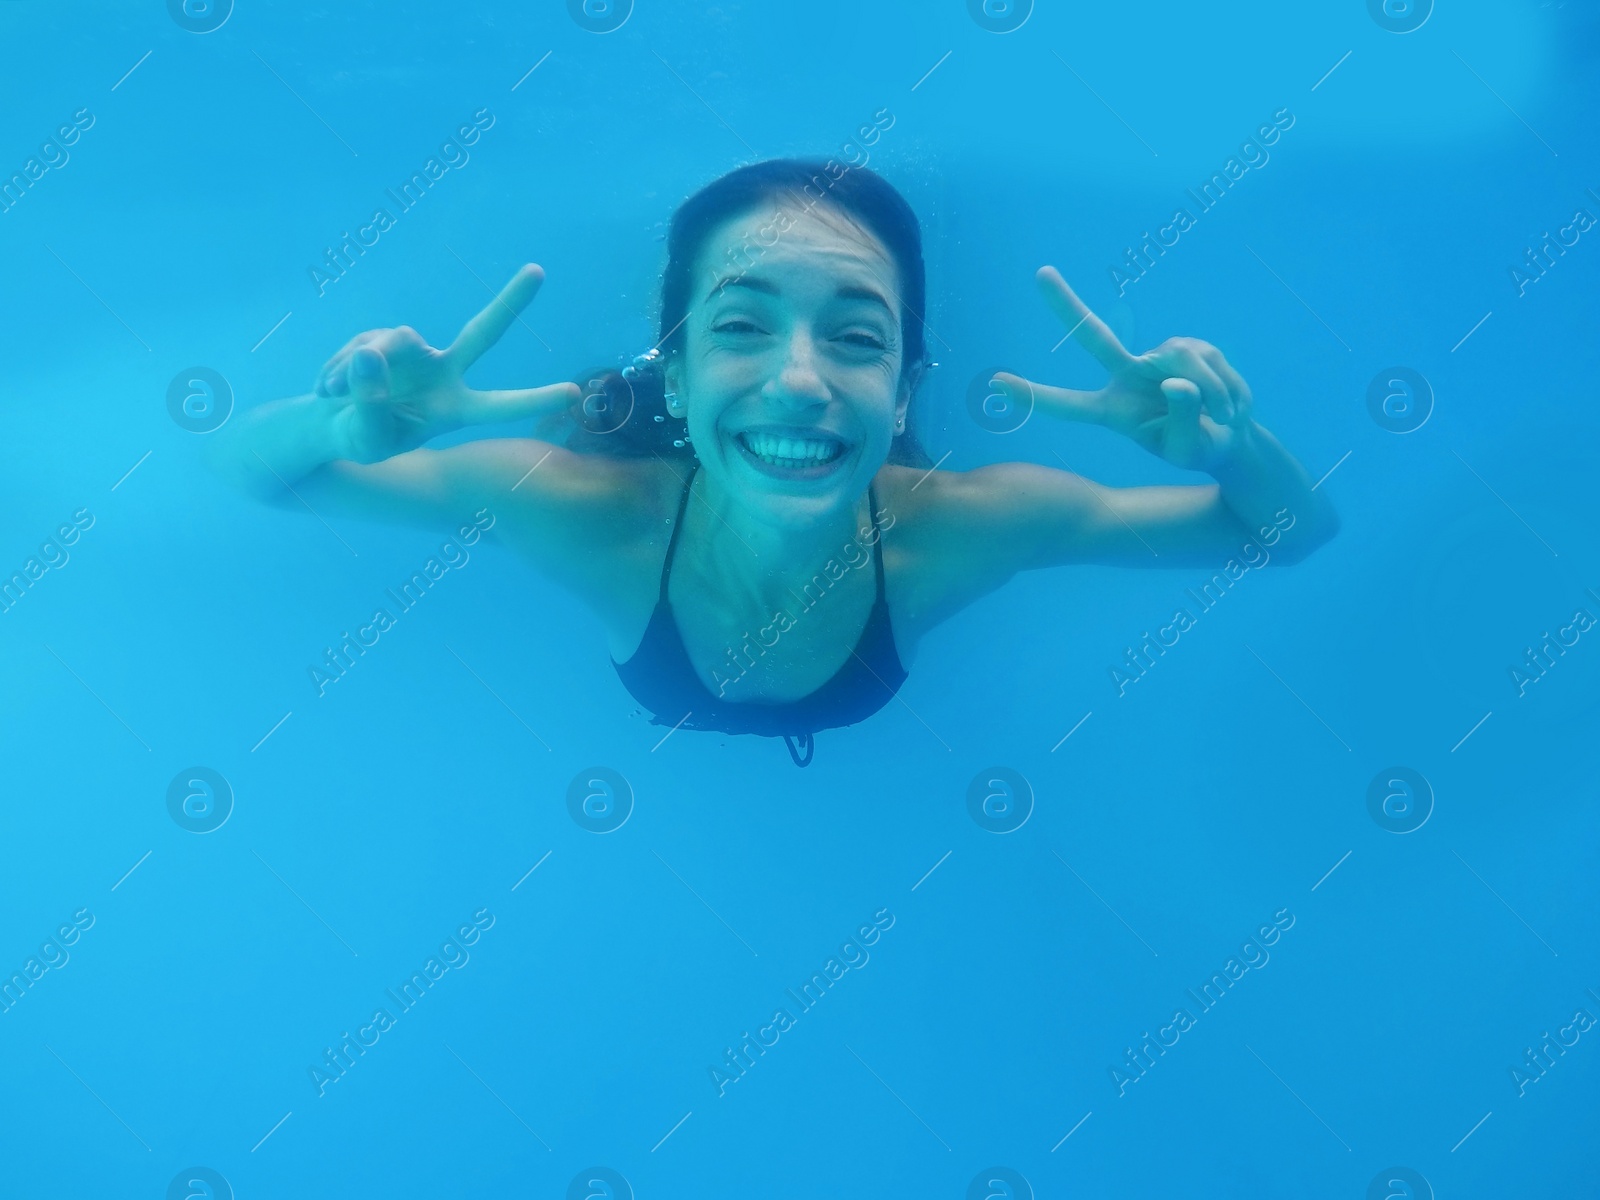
{"points": [[1402, 975]]}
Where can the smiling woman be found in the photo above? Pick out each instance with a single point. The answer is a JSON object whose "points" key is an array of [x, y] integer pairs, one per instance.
{"points": [[702, 491], [720, 239]]}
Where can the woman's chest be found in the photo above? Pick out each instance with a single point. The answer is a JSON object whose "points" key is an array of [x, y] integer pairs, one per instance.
{"points": [[778, 651]]}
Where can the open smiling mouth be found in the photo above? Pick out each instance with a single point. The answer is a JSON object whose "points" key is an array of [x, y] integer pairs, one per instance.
{"points": [[790, 456]]}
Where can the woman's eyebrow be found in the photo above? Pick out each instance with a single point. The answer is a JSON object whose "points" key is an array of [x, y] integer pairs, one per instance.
{"points": [[754, 283], [871, 295], [766, 287]]}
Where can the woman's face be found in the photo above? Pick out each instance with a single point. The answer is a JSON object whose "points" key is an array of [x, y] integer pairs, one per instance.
{"points": [[790, 373]]}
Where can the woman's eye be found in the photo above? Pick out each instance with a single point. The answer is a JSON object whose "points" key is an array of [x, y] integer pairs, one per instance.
{"points": [[870, 341], [735, 326]]}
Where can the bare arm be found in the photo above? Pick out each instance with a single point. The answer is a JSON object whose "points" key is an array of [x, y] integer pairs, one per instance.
{"points": [[1183, 402], [1034, 516], [999, 520], [354, 448], [551, 495]]}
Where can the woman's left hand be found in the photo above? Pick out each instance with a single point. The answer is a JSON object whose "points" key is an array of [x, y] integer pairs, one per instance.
{"points": [[1181, 401]]}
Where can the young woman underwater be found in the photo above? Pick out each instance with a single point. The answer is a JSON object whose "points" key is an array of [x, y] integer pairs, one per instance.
{"points": [[708, 498]]}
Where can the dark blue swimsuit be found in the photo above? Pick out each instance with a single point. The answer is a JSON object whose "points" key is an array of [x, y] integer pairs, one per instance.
{"points": [[662, 678]]}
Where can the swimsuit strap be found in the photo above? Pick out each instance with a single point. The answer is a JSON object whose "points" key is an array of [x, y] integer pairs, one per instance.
{"points": [[677, 527], [877, 542]]}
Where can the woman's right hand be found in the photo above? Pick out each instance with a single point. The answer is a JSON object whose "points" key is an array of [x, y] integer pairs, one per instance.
{"points": [[390, 391]]}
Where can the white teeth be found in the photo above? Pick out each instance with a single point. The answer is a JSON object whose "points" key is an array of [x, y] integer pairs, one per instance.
{"points": [[788, 451]]}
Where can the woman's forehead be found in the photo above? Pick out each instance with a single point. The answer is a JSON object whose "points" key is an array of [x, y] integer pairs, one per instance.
{"points": [[784, 237]]}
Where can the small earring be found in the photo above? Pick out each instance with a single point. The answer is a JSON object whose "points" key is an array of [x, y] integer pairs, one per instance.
{"points": [[900, 425]]}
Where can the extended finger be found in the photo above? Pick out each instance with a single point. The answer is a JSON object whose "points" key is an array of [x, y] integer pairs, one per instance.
{"points": [[517, 404], [1179, 360], [485, 329], [1088, 330], [1069, 403]]}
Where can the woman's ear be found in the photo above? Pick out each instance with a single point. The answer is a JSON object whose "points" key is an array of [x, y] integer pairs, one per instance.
{"points": [[672, 379]]}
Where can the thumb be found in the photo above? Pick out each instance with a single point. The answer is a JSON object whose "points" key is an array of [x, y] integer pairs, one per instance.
{"points": [[1183, 400], [368, 375]]}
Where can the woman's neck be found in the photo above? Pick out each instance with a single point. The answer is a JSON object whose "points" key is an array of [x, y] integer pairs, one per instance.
{"points": [[761, 562]]}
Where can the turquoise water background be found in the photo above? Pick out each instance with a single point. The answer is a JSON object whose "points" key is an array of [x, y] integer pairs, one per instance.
{"points": [[173, 1042]]}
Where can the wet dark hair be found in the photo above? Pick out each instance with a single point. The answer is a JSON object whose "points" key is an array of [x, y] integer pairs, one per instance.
{"points": [[622, 412]]}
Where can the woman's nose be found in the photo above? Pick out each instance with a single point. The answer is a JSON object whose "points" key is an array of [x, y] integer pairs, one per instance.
{"points": [[799, 381]]}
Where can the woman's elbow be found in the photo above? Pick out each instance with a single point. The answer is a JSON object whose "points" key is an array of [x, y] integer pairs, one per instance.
{"points": [[1306, 538]]}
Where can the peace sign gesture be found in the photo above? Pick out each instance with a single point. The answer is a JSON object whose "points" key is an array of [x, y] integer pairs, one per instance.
{"points": [[393, 391], [1181, 401]]}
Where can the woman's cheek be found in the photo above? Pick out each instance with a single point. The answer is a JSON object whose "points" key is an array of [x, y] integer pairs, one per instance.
{"points": [[723, 370], [886, 389]]}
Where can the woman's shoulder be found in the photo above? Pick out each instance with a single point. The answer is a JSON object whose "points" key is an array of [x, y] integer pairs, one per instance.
{"points": [[571, 513], [946, 534], [916, 511], [939, 502], [596, 523], [921, 501], [622, 494]]}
